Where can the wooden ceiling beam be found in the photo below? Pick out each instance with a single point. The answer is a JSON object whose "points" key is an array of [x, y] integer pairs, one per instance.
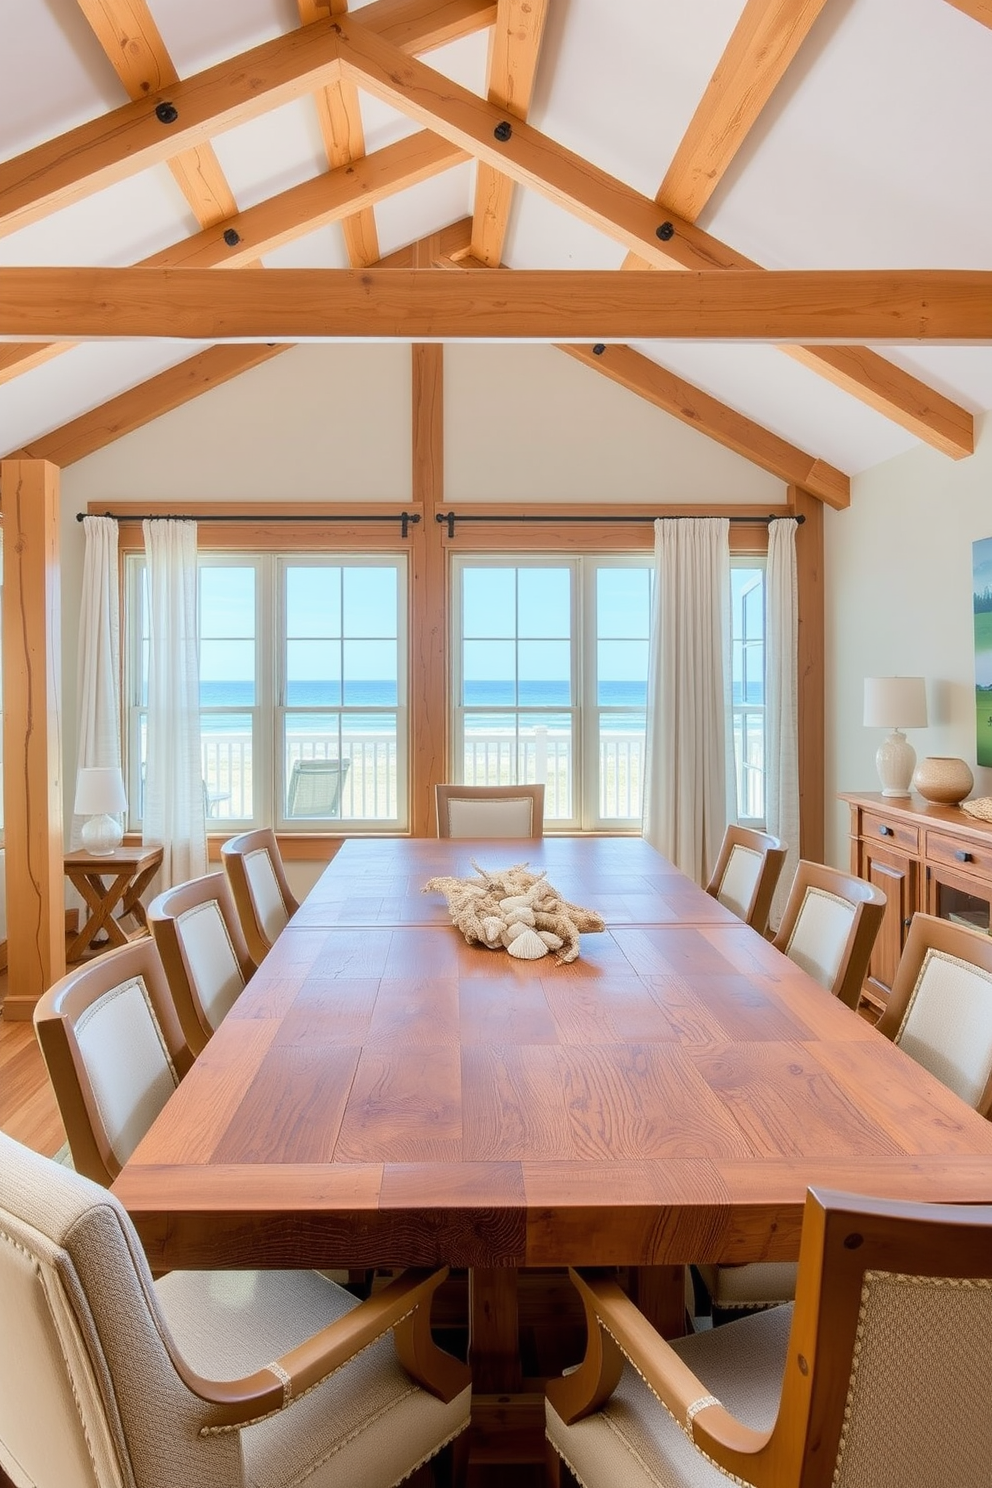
{"points": [[134, 46], [158, 395], [513, 52], [131, 138], [979, 10], [892, 305], [708, 416], [291, 214], [764, 42]]}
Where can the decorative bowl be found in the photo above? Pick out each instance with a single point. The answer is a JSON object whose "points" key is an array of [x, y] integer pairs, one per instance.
{"points": [[943, 780]]}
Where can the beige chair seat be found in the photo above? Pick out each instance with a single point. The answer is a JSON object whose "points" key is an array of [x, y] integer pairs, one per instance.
{"points": [[633, 1443], [756, 1284]]}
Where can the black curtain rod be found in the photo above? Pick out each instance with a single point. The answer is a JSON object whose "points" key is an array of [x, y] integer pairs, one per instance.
{"points": [[452, 517], [404, 518]]}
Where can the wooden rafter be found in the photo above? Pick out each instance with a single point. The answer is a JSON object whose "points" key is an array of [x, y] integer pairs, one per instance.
{"points": [[532, 159], [513, 53], [181, 384], [340, 117], [710, 417], [133, 137], [301, 209], [764, 42], [891, 305], [979, 10]]}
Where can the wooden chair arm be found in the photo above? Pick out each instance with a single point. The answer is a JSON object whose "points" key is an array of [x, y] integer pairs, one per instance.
{"points": [[618, 1331], [400, 1306]]}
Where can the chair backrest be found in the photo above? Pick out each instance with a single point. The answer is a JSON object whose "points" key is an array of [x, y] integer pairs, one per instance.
{"points": [[490, 810], [91, 1393], [829, 927], [204, 952], [262, 897], [315, 787], [115, 1052], [940, 1006], [746, 874]]}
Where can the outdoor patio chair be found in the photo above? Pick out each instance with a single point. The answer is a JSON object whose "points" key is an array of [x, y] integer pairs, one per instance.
{"points": [[315, 787]]}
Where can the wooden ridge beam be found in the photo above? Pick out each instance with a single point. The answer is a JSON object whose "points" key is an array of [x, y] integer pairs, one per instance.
{"points": [[129, 139], [513, 53], [717, 421], [181, 384], [892, 305], [301, 209], [764, 42]]}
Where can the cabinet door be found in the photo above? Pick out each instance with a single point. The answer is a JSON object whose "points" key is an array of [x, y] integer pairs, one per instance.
{"points": [[898, 878], [960, 898]]}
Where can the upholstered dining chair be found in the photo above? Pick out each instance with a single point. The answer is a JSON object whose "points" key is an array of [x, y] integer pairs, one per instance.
{"points": [[829, 927], [274, 1378], [490, 810], [879, 1374], [746, 874], [262, 897], [207, 963], [115, 1052]]}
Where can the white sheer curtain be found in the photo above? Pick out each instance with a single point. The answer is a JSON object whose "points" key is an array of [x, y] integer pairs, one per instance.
{"points": [[782, 699], [98, 704], [173, 805], [688, 733]]}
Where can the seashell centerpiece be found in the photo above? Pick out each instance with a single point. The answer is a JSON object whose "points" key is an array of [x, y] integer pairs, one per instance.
{"points": [[515, 910]]}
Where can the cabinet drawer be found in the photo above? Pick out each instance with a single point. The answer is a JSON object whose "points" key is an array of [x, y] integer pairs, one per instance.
{"points": [[956, 852], [897, 834]]}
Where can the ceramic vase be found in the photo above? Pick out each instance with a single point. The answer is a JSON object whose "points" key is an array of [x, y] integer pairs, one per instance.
{"points": [[942, 780]]}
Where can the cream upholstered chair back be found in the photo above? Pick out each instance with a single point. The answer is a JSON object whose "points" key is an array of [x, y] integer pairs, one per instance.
{"points": [[829, 927], [262, 896], [746, 874], [879, 1375], [203, 950], [115, 1052], [940, 1007], [490, 810], [109, 1379]]}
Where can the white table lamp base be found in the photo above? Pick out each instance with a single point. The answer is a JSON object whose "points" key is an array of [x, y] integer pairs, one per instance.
{"points": [[895, 760]]}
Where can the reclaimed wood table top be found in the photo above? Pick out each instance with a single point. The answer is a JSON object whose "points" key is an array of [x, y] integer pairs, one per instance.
{"points": [[384, 1094]]}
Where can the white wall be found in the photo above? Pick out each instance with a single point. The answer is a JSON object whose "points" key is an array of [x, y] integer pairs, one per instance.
{"points": [[899, 603]]}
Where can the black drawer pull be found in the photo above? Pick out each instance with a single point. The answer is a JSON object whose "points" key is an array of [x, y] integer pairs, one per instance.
{"points": [[886, 832], [963, 857]]}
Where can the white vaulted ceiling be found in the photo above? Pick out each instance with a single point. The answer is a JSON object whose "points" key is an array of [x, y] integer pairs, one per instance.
{"points": [[871, 152]]}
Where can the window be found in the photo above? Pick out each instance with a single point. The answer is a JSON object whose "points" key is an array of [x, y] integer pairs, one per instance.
{"points": [[747, 596], [550, 681], [302, 689]]}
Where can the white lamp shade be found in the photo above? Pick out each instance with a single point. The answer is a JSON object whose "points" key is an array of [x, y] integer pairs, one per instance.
{"points": [[895, 702], [98, 790]]}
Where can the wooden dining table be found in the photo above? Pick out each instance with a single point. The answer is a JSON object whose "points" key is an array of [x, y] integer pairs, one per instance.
{"points": [[384, 1094]]}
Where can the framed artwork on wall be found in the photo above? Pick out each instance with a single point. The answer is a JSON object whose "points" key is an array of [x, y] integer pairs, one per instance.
{"points": [[982, 571]]}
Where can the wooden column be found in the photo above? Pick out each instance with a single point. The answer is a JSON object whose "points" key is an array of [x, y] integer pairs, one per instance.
{"points": [[812, 715], [429, 583], [32, 734]]}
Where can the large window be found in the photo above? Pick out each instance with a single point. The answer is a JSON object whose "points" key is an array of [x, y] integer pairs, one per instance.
{"points": [[302, 689], [550, 681], [747, 596]]}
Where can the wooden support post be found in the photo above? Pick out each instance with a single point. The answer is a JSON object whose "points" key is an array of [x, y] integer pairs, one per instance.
{"points": [[32, 742], [428, 608], [812, 716]]}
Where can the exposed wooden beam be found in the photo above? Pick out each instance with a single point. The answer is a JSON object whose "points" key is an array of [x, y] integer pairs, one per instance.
{"points": [[891, 305], [429, 632], [764, 42], [513, 53], [181, 384], [534, 160], [340, 117], [301, 209], [979, 10], [134, 46], [731, 429], [131, 138]]}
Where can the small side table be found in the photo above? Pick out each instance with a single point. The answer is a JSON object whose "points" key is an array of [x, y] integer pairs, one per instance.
{"points": [[111, 886]]}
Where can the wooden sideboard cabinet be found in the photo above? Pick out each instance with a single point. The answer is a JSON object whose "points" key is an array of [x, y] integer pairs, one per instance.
{"points": [[932, 858]]}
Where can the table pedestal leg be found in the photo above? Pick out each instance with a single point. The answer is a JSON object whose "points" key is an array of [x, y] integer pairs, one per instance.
{"points": [[659, 1292], [494, 1332]]}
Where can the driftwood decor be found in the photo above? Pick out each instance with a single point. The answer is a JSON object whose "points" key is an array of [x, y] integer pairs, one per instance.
{"points": [[515, 910]]}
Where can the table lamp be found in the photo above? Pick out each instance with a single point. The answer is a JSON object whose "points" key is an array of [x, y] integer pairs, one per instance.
{"points": [[100, 792], [895, 703]]}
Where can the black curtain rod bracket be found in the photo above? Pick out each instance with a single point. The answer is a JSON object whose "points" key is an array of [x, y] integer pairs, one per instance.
{"points": [[449, 519], [404, 518]]}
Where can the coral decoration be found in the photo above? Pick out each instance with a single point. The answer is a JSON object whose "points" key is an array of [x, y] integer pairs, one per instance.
{"points": [[515, 909]]}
